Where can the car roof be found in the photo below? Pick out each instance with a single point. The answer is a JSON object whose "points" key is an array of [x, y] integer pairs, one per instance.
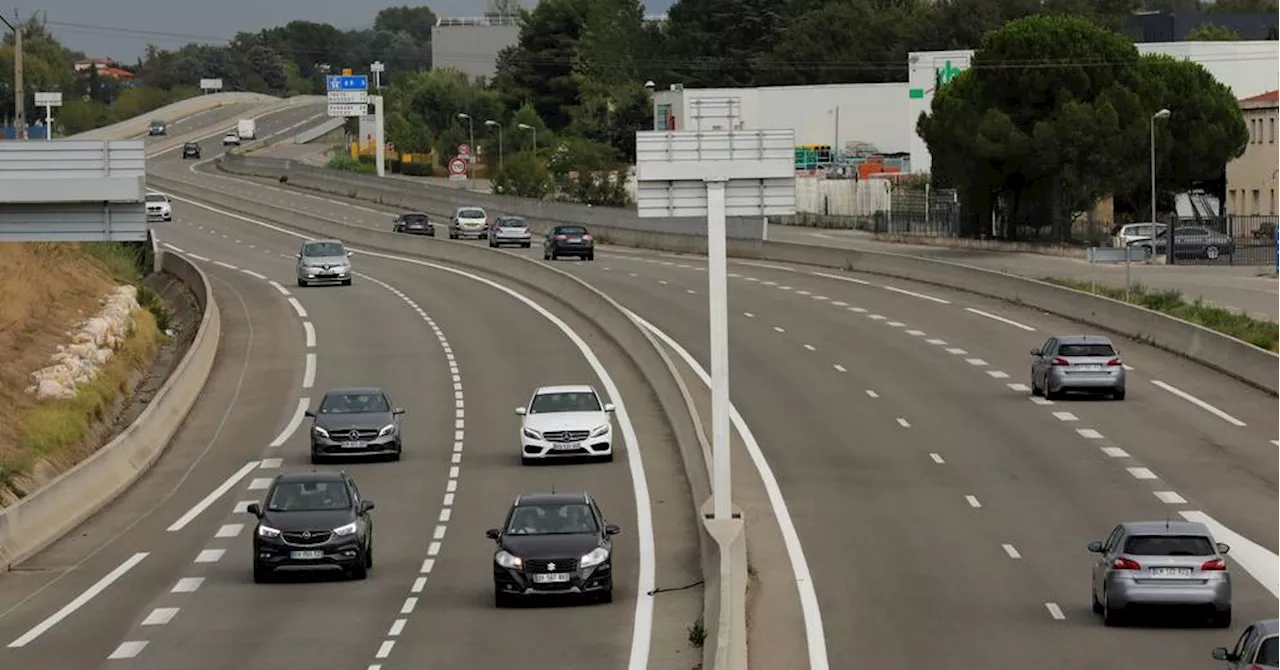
{"points": [[550, 499], [469, 207], [1268, 627], [326, 476], [1083, 339], [566, 388], [1166, 528], [353, 389], [414, 214], [329, 241]]}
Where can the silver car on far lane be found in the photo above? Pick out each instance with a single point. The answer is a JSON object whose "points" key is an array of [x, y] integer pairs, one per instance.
{"points": [[1081, 363], [324, 262], [510, 230]]}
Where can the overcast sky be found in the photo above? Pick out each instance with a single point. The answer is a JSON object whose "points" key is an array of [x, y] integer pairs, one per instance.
{"points": [[121, 29]]}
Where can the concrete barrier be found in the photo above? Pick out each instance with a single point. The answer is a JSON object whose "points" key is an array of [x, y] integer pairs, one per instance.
{"points": [[171, 113], [44, 516], [1248, 363], [312, 134]]}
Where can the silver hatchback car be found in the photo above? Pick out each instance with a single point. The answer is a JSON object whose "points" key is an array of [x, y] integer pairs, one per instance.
{"points": [[324, 262], [510, 230], [1081, 363], [1256, 649], [469, 222], [1161, 564]]}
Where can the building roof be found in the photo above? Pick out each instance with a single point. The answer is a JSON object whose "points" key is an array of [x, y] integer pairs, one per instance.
{"points": [[116, 72], [1269, 96]]}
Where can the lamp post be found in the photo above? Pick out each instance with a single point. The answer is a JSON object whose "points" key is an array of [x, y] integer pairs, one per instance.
{"points": [[471, 156], [1162, 114], [534, 130], [501, 153]]}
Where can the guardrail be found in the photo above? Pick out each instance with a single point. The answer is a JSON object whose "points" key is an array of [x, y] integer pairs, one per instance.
{"points": [[45, 515], [650, 359], [1236, 358]]}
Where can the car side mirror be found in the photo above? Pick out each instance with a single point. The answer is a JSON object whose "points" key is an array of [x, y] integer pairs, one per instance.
{"points": [[611, 529], [608, 407], [298, 256], [254, 509], [1223, 547], [1035, 352], [493, 534], [366, 506], [1095, 547], [398, 410], [520, 411], [309, 413], [1221, 654]]}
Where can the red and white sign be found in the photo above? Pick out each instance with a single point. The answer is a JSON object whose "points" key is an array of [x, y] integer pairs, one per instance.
{"points": [[464, 149], [457, 166]]}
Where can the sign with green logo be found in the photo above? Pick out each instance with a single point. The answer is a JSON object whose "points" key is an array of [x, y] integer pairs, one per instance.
{"points": [[941, 76]]}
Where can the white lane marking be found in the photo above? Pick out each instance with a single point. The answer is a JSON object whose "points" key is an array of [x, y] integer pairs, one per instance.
{"points": [[1011, 551], [916, 333], [276, 285], [858, 310], [903, 422], [851, 280], [895, 324], [1039, 401], [1055, 611], [1253, 557], [225, 265], [973, 501], [814, 633], [784, 288], [260, 484], [922, 296], [1276, 442], [297, 307], [936, 342], [418, 585], [299, 414], [810, 347], [769, 283], [1115, 452], [1170, 497], [79, 601], [821, 297], [177, 249], [253, 274], [1199, 403], [839, 303], [229, 530], [1020, 388], [876, 317], [410, 604], [956, 351], [803, 293], [397, 627], [839, 368], [1127, 367], [309, 373], [187, 585], [1089, 433], [198, 257], [1142, 473], [777, 329], [872, 394], [310, 332], [384, 650], [242, 506], [210, 555], [976, 362], [128, 650], [749, 315], [197, 509], [160, 616], [1001, 319], [937, 458], [1065, 416], [690, 291], [998, 374]]}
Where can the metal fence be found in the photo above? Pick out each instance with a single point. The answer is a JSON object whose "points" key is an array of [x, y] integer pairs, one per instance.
{"points": [[1245, 240]]}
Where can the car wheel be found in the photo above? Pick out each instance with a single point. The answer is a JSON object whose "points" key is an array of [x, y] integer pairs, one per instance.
{"points": [[360, 571], [493, 244], [395, 456], [1211, 252], [1097, 606], [525, 460], [554, 256], [1111, 617], [1222, 618], [526, 245], [368, 554], [347, 282], [1050, 394], [316, 459], [1035, 388], [546, 255], [1117, 394], [261, 574], [591, 256], [501, 600]]}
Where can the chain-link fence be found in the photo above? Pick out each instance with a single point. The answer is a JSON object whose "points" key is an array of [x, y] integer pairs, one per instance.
{"points": [[1244, 240]]}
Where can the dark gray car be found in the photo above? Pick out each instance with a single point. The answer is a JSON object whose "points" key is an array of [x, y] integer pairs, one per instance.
{"points": [[414, 223], [324, 262], [353, 422], [1191, 242]]}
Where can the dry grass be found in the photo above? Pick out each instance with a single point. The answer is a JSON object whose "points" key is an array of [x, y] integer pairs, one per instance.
{"points": [[48, 290]]}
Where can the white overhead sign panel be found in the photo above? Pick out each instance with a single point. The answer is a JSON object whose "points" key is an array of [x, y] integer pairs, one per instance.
{"points": [[672, 168], [53, 99], [348, 97], [211, 84], [348, 109]]}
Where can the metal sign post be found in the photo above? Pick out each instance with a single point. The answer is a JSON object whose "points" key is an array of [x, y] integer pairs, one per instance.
{"points": [[1124, 254], [716, 174], [379, 136], [377, 68], [48, 101]]}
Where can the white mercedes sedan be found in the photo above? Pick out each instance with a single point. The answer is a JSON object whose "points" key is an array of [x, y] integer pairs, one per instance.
{"points": [[565, 422]]}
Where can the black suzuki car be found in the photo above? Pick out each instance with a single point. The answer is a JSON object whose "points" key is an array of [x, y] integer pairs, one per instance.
{"points": [[191, 150], [414, 223], [569, 241], [312, 521], [553, 544]]}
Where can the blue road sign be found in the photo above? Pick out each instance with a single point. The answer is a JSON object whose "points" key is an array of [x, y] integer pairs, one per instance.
{"points": [[348, 82]]}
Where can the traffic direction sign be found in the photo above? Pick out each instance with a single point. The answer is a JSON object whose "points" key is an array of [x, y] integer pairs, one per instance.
{"points": [[348, 82], [348, 109], [349, 97]]}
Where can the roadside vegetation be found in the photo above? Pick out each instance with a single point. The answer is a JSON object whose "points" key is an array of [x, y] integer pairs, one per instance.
{"points": [[49, 289], [1241, 326]]}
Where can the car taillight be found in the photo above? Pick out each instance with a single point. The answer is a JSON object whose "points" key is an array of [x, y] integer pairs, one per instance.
{"points": [[1115, 362], [1125, 564], [1214, 564], [1060, 361], [586, 238], [562, 237]]}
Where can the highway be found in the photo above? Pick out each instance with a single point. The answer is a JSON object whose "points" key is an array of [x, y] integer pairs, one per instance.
{"points": [[444, 347], [921, 478]]}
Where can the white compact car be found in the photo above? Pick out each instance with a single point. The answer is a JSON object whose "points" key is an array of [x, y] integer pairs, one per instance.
{"points": [[231, 138], [566, 422], [158, 207]]}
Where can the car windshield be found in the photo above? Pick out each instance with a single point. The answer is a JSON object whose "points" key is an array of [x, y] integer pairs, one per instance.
{"points": [[571, 518], [325, 249], [155, 197], [571, 230], [1169, 545], [512, 223], [415, 218], [471, 214], [1267, 653], [191, 145], [309, 497], [354, 403], [575, 401], [1070, 350]]}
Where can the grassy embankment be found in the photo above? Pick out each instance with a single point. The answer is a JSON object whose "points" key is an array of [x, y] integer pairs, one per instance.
{"points": [[1241, 326], [49, 289]]}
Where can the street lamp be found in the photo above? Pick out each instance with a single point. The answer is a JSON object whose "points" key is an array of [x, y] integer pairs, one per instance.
{"points": [[494, 124], [471, 156], [532, 129], [1162, 114]]}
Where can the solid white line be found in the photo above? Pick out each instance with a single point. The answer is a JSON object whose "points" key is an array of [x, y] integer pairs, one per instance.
{"points": [[226, 265], [177, 249], [839, 368], [1115, 452], [187, 585], [937, 458], [276, 285], [299, 414], [1089, 433], [309, 373], [79, 601], [1001, 319], [1011, 551], [851, 280], [1170, 497], [1256, 559], [973, 501], [198, 257], [903, 422], [160, 616], [1199, 403], [210, 555], [128, 650], [297, 307], [1142, 473], [809, 608], [199, 508], [913, 294], [253, 274], [1065, 416], [1020, 388], [1055, 611], [310, 332]]}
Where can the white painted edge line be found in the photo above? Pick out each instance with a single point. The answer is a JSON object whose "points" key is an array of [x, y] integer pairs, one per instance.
{"points": [[297, 307], [295, 421], [197, 509], [225, 265], [922, 296], [1199, 403], [1001, 319], [1254, 558], [79, 601], [198, 257], [309, 373], [851, 280], [255, 275], [310, 333]]}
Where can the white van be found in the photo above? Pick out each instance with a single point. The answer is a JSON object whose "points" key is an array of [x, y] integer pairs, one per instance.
{"points": [[1135, 232], [247, 129]]}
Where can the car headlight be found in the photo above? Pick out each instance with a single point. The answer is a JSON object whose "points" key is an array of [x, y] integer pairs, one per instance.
{"points": [[600, 430], [343, 531], [387, 430], [268, 531], [532, 434], [342, 268], [320, 432], [596, 557], [508, 560]]}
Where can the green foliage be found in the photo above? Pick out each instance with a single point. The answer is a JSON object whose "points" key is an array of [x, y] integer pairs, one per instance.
{"points": [[1209, 32], [523, 176], [341, 160], [1243, 7], [423, 108]]}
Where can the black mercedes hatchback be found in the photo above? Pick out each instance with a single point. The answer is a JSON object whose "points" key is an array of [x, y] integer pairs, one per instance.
{"points": [[553, 544], [312, 521]]}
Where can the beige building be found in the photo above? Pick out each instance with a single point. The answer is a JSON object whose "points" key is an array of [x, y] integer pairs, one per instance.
{"points": [[1251, 178]]}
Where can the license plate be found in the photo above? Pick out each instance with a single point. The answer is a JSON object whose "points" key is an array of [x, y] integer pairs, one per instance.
{"points": [[1171, 572], [575, 239], [551, 578], [1089, 366], [306, 555], [567, 446], [353, 445]]}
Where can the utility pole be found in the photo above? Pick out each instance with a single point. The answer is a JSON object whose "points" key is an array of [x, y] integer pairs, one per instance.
{"points": [[19, 109]]}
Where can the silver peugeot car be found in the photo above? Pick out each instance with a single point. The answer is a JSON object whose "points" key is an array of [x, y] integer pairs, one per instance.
{"points": [[469, 222], [324, 262], [1161, 564], [510, 230], [1079, 363]]}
